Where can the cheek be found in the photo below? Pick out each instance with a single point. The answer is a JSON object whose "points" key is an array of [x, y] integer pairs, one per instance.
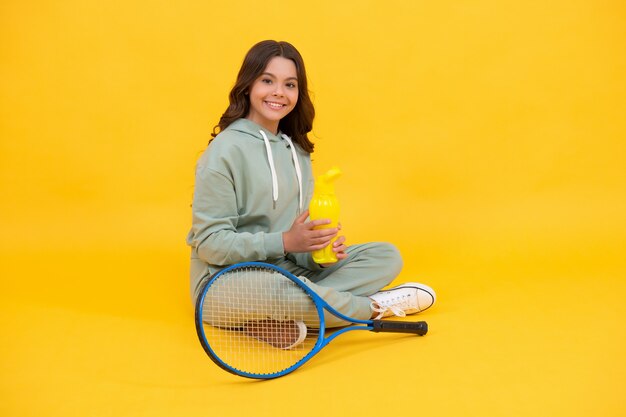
{"points": [[256, 93], [294, 98], [257, 89]]}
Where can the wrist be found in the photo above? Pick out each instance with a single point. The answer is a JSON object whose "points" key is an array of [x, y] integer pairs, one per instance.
{"points": [[286, 243]]}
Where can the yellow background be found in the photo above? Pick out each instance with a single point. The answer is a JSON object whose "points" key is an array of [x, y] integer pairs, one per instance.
{"points": [[486, 139]]}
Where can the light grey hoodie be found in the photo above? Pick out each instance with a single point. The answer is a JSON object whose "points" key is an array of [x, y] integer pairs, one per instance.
{"points": [[250, 186]]}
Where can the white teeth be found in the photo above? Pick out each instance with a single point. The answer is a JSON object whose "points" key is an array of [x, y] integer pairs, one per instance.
{"points": [[275, 105]]}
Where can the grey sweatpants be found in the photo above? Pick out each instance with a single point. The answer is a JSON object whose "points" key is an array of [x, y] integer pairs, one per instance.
{"points": [[346, 285]]}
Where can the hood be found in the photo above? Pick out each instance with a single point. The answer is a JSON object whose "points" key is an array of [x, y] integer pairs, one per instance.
{"points": [[250, 128]]}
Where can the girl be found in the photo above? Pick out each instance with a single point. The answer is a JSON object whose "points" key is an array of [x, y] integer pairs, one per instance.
{"points": [[253, 184]]}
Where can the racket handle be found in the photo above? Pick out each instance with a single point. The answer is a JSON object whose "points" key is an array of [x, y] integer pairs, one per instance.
{"points": [[415, 327]]}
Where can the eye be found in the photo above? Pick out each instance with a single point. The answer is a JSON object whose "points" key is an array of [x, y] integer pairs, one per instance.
{"points": [[291, 85], [266, 80]]}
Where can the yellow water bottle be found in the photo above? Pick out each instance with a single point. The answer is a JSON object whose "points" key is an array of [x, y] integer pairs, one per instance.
{"points": [[324, 205]]}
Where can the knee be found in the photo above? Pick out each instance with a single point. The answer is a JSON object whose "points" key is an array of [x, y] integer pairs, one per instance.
{"points": [[391, 256], [385, 254]]}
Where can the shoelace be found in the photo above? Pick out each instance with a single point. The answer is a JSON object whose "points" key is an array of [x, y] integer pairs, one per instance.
{"points": [[395, 306], [381, 311]]}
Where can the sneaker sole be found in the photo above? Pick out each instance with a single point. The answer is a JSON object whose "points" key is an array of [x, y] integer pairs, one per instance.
{"points": [[422, 287], [301, 337]]}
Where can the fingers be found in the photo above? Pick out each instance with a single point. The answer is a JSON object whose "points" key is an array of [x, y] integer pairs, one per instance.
{"points": [[324, 233], [324, 240], [318, 222], [319, 247], [341, 255], [320, 243], [302, 218], [339, 248], [324, 237]]}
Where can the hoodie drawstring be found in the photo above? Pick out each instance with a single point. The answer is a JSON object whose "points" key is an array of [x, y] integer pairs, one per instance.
{"points": [[270, 159], [298, 171]]}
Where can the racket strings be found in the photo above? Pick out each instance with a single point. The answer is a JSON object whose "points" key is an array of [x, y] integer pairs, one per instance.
{"points": [[259, 321]]}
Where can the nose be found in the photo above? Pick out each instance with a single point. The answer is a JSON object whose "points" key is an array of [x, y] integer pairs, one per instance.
{"points": [[278, 91]]}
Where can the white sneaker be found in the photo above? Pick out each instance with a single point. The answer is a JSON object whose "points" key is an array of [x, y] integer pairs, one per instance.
{"points": [[409, 298]]}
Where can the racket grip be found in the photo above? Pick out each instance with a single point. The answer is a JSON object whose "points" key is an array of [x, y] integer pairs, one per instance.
{"points": [[415, 327]]}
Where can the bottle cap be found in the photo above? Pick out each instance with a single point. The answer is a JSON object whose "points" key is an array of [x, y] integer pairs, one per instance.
{"points": [[324, 184]]}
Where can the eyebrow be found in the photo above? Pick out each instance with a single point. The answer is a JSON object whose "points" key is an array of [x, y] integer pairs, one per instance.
{"points": [[273, 76]]}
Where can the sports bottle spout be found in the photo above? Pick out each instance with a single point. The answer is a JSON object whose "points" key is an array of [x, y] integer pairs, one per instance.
{"points": [[324, 205]]}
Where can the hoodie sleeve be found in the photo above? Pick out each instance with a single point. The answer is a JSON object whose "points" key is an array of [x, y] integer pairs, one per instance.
{"points": [[214, 224]]}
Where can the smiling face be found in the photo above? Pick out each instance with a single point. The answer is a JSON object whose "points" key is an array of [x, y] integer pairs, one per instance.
{"points": [[274, 93]]}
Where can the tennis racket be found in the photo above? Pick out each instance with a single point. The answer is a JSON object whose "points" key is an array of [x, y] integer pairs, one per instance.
{"points": [[259, 321]]}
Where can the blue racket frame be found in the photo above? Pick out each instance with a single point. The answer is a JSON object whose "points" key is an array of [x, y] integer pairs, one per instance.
{"points": [[320, 306]]}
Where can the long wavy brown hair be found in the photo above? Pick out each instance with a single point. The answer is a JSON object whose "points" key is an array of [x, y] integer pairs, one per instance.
{"points": [[299, 122]]}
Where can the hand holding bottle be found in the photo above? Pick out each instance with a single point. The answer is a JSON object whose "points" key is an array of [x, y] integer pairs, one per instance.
{"points": [[304, 237], [339, 248]]}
